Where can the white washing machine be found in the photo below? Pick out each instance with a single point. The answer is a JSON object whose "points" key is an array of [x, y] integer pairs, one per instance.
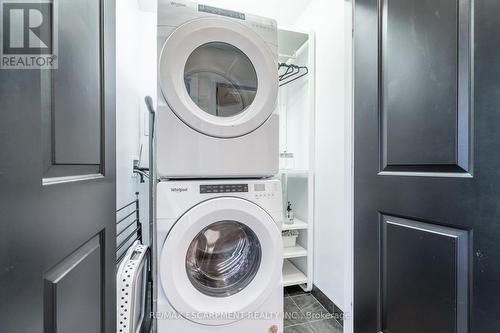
{"points": [[220, 256], [217, 93]]}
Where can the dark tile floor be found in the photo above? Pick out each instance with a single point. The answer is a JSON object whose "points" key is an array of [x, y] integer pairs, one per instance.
{"points": [[304, 314]]}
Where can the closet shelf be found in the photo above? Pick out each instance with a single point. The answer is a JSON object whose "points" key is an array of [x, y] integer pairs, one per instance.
{"points": [[292, 275], [295, 172], [294, 252], [297, 225]]}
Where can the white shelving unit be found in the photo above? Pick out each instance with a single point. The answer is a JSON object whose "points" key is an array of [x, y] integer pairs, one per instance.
{"points": [[295, 172], [296, 251], [296, 103], [297, 225], [292, 275]]}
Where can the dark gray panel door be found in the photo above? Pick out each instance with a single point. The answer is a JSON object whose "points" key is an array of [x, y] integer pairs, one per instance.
{"points": [[427, 129], [423, 56], [76, 108], [57, 173]]}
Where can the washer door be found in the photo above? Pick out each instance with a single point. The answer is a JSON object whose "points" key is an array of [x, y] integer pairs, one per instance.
{"points": [[219, 77], [220, 261]]}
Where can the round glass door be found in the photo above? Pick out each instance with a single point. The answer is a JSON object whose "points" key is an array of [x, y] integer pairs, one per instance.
{"points": [[223, 258], [220, 79]]}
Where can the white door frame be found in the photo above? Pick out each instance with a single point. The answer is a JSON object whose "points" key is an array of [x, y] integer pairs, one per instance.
{"points": [[349, 165]]}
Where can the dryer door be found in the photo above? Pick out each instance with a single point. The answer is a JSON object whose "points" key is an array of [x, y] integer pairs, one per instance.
{"points": [[220, 261], [219, 77]]}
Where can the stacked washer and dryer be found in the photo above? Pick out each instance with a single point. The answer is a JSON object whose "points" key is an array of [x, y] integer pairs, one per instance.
{"points": [[218, 213]]}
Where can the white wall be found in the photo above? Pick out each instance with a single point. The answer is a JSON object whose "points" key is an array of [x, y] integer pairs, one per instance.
{"points": [[135, 78], [326, 19]]}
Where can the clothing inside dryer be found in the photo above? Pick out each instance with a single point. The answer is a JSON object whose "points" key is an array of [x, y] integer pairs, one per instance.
{"points": [[223, 258]]}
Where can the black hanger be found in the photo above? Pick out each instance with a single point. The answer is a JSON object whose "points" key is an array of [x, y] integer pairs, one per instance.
{"points": [[292, 73]]}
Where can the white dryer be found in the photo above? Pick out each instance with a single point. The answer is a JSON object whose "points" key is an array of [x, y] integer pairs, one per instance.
{"points": [[220, 256], [217, 93]]}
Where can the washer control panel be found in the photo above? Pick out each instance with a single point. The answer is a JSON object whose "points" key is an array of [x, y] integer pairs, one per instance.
{"points": [[253, 190], [264, 191], [223, 188]]}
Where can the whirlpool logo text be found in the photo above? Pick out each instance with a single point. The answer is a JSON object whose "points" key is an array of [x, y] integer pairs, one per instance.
{"points": [[179, 189]]}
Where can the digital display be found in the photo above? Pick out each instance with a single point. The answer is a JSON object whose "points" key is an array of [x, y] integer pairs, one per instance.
{"points": [[259, 187], [223, 188]]}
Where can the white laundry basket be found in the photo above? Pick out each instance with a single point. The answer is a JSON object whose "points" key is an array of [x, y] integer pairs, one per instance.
{"points": [[290, 241]]}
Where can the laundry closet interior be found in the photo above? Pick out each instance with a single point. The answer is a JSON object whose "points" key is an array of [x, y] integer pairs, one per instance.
{"points": [[231, 167]]}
